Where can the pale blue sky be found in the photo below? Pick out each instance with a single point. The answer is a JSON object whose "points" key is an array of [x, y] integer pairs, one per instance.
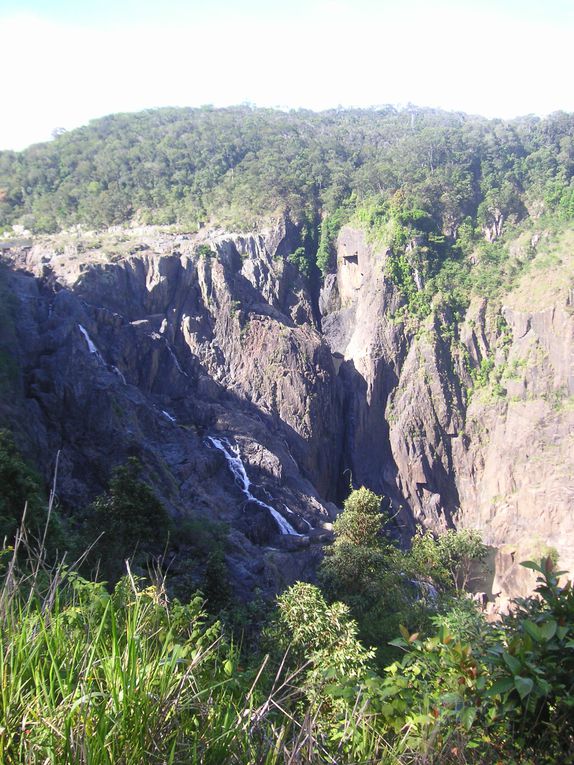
{"points": [[67, 62]]}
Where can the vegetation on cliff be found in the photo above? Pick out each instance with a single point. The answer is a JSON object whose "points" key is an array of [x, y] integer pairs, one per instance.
{"points": [[442, 192]]}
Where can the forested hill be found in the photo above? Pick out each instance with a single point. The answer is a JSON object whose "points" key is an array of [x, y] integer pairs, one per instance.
{"points": [[237, 166]]}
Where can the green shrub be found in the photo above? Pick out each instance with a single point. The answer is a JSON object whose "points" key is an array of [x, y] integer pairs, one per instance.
{"points": [[448, 558], [366, 570], [322, 636], [302, 262]]}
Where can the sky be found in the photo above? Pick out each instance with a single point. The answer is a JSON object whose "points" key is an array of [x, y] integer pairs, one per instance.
{"points": [[65, 62]]}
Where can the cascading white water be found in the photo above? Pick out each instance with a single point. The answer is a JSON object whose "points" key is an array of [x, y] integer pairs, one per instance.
{"points": [[93, 349], [238, 469], [91, 346], [309, 526], [168, 416]]}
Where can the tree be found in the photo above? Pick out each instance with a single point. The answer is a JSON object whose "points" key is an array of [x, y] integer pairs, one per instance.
{"points": [[129, 519], [365, 569], [21, 487], [449, 558], [321, 634], [458, 550], [362, 519]]}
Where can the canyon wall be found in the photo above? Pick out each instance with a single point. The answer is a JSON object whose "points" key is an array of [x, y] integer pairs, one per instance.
{"points": [[148, 343]]}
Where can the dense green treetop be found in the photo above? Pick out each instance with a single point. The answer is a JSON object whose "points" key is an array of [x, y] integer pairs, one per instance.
{"points": [[240, 164]]}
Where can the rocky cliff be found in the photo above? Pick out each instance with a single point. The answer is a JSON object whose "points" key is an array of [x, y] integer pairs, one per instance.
{"points": [[467, 424], [146, 343]]}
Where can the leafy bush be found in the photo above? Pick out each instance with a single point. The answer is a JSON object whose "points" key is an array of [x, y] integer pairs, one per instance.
{"points": [[328, 231], [448, 558], [362, 520], [20, 488], [533, 668], [367, 571], [302, 262], [321, 636]]}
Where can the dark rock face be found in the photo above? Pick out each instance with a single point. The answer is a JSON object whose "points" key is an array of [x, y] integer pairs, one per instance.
{"points": [[148, 344], [148, 354]]}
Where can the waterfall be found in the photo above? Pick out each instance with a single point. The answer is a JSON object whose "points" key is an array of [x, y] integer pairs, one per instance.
{"points": [[93, 349], [117, 372], [238, 469], [91, 346], [168, 415], [288, 509]]}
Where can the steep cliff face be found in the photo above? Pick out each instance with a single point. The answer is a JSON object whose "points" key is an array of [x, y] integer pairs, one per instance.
{"points": [[516, 462], [404, 402], [470, 425], [148, 343]]}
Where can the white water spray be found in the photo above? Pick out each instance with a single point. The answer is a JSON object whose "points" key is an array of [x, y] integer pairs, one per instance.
{"points": [[168, 416], [238, 469], [91, 345]]}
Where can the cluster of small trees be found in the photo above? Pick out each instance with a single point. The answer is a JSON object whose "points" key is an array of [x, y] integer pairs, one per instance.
{"points": [[463, 690], [384, 585]]}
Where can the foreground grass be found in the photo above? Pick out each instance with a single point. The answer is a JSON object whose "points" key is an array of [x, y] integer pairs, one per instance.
{"points": [[89, 677], [92, 677], [128, 678]]}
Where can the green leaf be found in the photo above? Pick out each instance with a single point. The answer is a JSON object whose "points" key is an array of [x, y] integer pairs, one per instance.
{"points": [[467, 717], [533, 630], [228, 667], [548, 630], [531, 565], [512, 663], [523, 685], [337, 691], [503, 685]]}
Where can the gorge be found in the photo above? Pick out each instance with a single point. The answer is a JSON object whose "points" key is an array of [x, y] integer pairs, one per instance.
{"points": [[286, 439], [180, 341]]}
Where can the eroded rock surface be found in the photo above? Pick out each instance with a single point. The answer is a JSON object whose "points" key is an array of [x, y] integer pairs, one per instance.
{"points": [[150, 351]]}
